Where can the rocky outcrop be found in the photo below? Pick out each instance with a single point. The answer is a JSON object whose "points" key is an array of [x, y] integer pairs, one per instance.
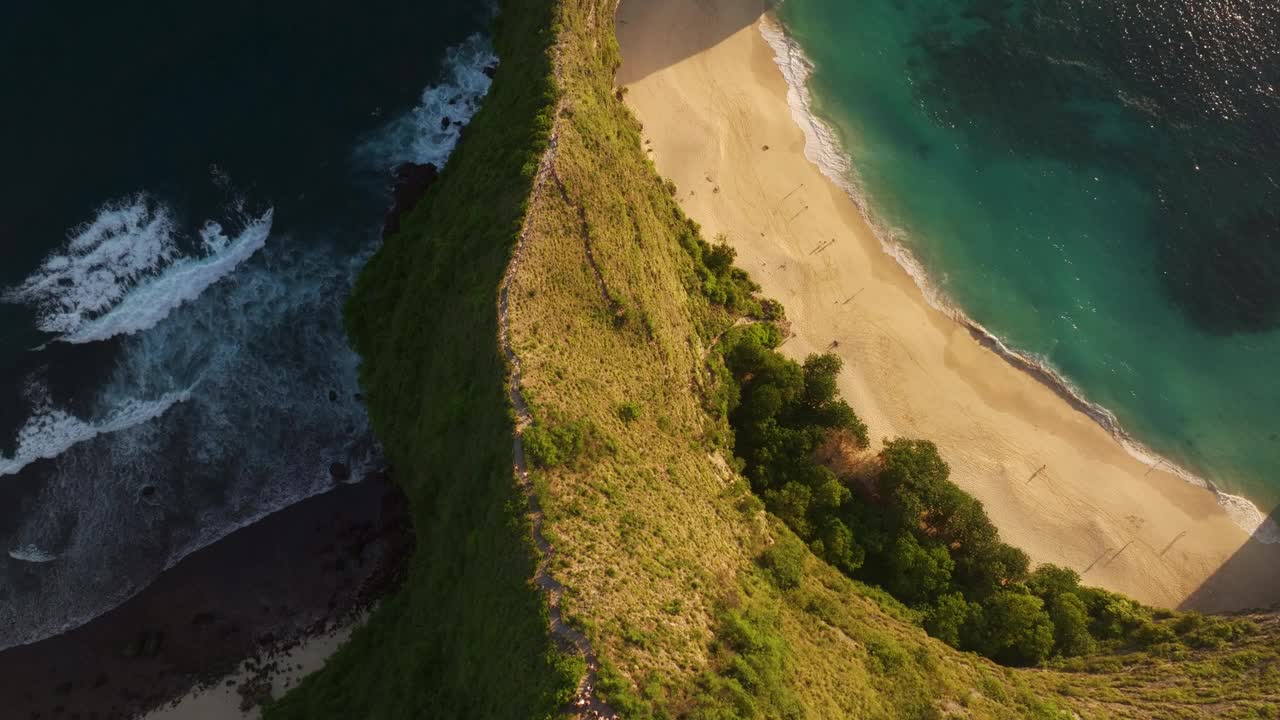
{"points": [[412, 181]]}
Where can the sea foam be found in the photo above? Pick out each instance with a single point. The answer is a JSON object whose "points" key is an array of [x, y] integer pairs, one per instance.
{"points": [[50, 431], [122, 272], [256, 394], [431, 130], [824, 149], [32, 554]]}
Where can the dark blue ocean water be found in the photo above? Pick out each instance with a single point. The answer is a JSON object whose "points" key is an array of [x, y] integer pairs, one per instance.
{"points": [[189, 191], [1097, 183]]}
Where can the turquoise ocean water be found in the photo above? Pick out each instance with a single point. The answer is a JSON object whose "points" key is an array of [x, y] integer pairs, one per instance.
{"points": [[1094, 183]]}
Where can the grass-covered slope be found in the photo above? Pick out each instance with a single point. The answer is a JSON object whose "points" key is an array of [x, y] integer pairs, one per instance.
{"points": [[657, 540], [467, 636], [701, 604], [698, 602]]}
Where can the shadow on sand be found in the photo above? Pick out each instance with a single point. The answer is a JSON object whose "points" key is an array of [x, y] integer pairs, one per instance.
{"points": [[1251, 572], [653, 52]]}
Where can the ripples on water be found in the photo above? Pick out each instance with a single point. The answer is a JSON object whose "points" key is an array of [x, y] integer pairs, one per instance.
{"points": [[1182, 96]]}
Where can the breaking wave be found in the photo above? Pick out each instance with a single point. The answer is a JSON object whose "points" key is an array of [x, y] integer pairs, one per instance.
{"points": [[123, 271], [255, 403], [50, 431], [31, 554], [429, 132]]}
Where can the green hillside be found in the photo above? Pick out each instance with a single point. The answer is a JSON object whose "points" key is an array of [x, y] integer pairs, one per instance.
{"points": [[697, 601]]}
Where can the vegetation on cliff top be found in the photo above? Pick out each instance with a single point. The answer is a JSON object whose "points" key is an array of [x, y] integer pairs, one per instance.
{"points": [[699, 603], [467, 636]]}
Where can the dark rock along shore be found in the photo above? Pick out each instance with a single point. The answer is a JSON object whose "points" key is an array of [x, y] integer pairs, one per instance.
{"points": [[253, 594]]}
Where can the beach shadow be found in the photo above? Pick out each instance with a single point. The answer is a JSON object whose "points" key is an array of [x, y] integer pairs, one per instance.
{"points": [[1251, 573], [656, 34]]}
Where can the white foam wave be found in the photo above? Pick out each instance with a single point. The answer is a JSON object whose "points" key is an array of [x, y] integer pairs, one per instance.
{"points": [[32, 554], [182, 282], [824, 149], [430, 131], [122, 271], [272, 402], [50, 431]]}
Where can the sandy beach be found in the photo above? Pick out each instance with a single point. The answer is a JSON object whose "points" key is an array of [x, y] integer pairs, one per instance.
{"points": [[267, 603], [704, 82], [222, 701]]}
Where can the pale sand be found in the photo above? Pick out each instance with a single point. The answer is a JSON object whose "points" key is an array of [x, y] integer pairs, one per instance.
{"points": [[222, 702], [704, 83]]}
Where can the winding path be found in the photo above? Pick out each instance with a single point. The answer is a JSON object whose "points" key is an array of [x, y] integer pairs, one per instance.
{"points": [[586, 703]]}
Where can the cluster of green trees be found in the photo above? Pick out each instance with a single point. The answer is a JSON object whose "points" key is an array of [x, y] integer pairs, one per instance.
{"points": [[903, 525], [716, 278]]}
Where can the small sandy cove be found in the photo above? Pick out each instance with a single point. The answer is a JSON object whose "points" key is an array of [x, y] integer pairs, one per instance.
{"points": [[221, 701], [703, 81]]}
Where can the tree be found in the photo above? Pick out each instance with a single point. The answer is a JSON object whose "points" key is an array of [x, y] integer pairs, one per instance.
{"points": [[829, 494], [762, 402], [837, 415], [915, 480], [911, 463], [985, 567], [820, 375], [1070, 625], [836, 545], [949, 617], [918, 574], [791, 505], [1014, 629], [1050, 581]]}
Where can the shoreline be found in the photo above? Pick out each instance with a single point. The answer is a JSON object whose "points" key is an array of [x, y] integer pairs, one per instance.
{"points": [[274, 672], [249, 607], [824, 150], [715, 99]]}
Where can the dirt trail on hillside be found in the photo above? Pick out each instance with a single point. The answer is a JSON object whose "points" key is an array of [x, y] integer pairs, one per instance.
{"points": [[568, 639]]}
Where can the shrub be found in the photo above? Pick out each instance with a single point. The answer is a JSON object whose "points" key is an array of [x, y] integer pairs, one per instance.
{"points": [[1114, 616], [629, 412], [1150, 633], [540, 447], [1014, 629], [1216, 633], [1070, 625], [886, 656], [785, 562], [555, 445], [771, 310], [750, 680]]}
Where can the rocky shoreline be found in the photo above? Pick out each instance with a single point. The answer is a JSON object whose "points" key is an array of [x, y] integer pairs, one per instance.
{"points": [[251, 596]]}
